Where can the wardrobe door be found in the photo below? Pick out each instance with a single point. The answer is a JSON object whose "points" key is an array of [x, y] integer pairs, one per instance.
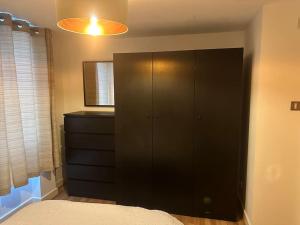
{"points": [[218, 125], [173, 136], [133, 109]]}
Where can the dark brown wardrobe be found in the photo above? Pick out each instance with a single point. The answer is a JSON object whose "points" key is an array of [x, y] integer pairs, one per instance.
{"points": [[178, 130]]}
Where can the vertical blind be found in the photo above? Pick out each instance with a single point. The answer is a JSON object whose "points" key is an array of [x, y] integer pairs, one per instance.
{"points": [[25, 119]]}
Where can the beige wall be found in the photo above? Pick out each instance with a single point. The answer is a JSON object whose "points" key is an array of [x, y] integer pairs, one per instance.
{"points": [[274, 142]]}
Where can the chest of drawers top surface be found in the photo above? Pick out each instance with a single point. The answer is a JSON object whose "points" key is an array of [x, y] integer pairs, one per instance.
{"points": [[91, 114]]}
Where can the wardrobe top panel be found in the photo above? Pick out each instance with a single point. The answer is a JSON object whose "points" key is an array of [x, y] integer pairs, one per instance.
{"points": [[90, 114], [195, 50]]}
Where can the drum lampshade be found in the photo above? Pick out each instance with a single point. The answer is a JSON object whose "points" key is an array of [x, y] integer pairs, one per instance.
{"points": [[93, 17]]}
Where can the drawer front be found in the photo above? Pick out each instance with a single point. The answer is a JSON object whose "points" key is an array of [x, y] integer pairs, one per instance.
{"points": [[90, 141], [91, 173], [101, 125], [91, 157], [105, 191]]}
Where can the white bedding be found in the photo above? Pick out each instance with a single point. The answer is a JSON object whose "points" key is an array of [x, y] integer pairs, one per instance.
{"points": [[58, 212]]}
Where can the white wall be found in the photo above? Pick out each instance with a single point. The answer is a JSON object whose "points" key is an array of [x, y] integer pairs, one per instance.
{"points": [[273, 194]]}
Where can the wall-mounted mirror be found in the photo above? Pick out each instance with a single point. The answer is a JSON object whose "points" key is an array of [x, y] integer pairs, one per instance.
{"points": [[98, 83]]}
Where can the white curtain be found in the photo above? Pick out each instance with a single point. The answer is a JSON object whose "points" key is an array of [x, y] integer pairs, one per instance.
{"points": [[25, 120]]}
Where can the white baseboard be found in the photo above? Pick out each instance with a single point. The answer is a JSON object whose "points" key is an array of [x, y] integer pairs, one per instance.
{"points": [[246, 218], [60, 183], [50, 195]]}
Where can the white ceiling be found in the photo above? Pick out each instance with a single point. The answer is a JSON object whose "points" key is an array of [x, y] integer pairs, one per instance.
{"points": [[156, 17]]}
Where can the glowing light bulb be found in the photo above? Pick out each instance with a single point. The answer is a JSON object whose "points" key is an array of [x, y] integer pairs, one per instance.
{"points": [[94, 28]]}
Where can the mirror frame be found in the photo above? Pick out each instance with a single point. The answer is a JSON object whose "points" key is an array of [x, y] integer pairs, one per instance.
{"points": [[83, 76]]}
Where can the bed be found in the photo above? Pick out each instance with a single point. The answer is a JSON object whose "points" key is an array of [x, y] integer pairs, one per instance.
{"points": [[60, 212]]}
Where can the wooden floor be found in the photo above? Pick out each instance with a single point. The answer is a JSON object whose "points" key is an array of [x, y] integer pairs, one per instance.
{"points": [[186, 220]]}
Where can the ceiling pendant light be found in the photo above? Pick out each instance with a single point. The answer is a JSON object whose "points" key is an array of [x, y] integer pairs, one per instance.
{"points": [[93, 17]]}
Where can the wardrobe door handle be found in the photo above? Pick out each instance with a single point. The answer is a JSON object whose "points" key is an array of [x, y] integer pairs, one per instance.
{"points": [[148, 116]]}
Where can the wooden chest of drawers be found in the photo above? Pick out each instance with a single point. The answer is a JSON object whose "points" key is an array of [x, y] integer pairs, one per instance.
{"points": [[90, 155]]}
